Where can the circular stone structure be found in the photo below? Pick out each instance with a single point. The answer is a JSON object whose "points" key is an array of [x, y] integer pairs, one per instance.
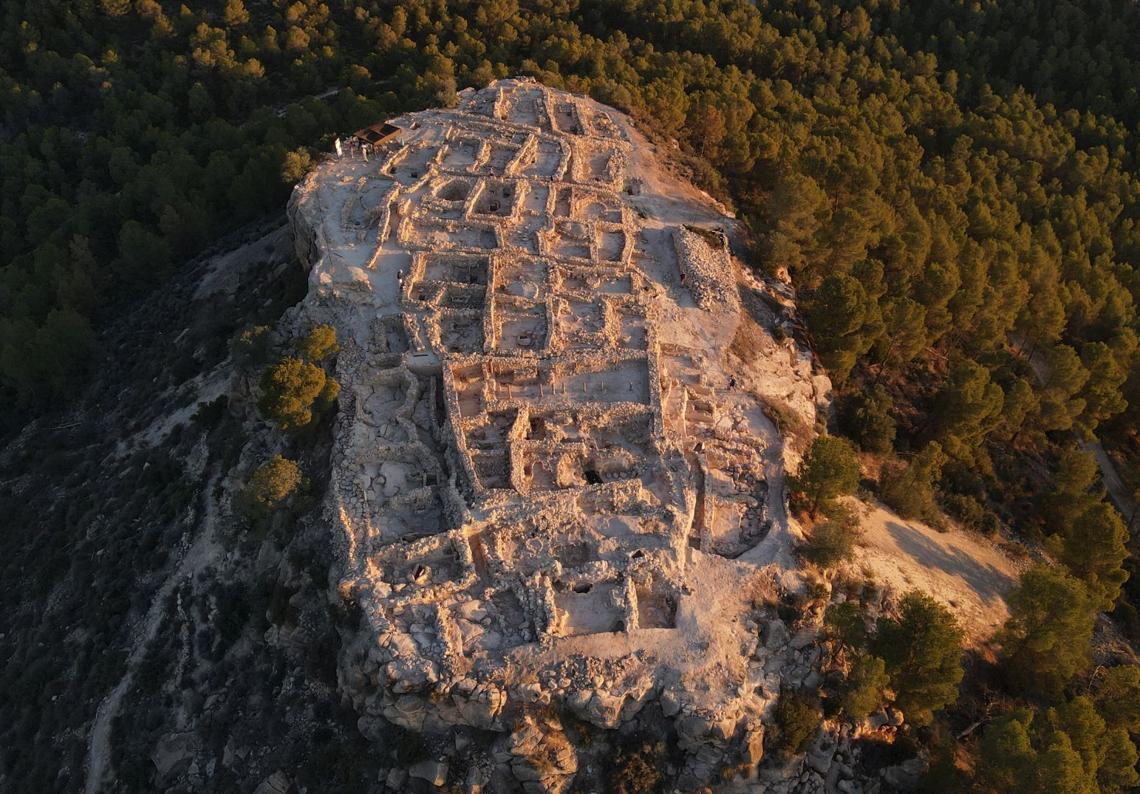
{"points": [[554, 489]]}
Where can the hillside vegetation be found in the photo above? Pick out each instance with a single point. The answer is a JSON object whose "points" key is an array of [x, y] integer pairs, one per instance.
{"points": [[953, 188]]}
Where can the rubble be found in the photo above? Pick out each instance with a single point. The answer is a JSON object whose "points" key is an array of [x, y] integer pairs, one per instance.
{"points": [[704, 259], [553, 490]]}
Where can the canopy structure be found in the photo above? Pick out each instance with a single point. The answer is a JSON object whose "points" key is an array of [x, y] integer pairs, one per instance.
{"points": [[377, 134]]}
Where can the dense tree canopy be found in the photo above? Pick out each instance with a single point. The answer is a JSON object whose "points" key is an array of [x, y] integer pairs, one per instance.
{"points": [[954, 200], [1070, 748], [952, 187]]}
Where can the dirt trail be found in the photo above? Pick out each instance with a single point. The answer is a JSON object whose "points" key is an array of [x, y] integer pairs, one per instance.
{"points": [[201, 552], [1117, 490]]}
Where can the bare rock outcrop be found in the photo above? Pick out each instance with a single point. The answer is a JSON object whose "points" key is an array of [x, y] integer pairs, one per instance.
{"points": [[542, 758], [553, 491]]}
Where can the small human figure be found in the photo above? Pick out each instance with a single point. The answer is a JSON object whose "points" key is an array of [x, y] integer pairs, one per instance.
{"points": [[339, 148], [399, 276], [682, 279], [732, 381]]}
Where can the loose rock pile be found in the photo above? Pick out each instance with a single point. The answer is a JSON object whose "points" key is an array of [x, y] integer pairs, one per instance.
{"points": [[704, 259]]}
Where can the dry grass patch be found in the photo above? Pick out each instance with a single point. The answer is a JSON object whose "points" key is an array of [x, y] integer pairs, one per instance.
{"points": [[747, 343]]}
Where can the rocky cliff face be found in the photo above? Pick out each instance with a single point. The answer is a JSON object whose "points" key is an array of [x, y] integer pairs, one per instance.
{"points": [[556, 496]]}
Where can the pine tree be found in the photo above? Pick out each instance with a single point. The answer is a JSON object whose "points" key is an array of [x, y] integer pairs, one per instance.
{"points": [[1071, 495], [1007, 760], [829, 469], [1059, 768], [1066, 376], [1103, 398], [1117, 772], [866, 417], [922, 649], [1085, 728], [1094, 550], [1045, 642], [910, 490], [837, 316], [1118, 698], [968, 408]]}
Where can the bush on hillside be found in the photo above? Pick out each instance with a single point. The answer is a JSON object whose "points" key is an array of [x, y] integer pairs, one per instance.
{"points": [[798, 717], [293, 391], [270, 487]]}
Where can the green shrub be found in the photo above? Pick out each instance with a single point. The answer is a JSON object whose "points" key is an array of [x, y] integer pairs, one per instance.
{"points": [[208, 414], [270, 487], [797, 719], [250, 348], [637, 769], [319, 344], [292, 390], [865, 684], [297, 163], [830, 543]]}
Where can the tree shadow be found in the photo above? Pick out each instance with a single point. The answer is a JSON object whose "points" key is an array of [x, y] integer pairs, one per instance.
{"points": [[984, 579]]}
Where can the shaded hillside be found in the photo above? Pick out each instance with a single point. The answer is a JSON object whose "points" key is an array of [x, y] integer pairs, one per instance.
{"points": [[101, 500]]}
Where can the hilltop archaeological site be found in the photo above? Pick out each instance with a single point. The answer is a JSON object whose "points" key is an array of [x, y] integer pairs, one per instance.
{"points": [[557, 497]]}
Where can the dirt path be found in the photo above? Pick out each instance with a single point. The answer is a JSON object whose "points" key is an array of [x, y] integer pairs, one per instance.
{"points": [[1117, 490], [777, 546], [201, 552]]}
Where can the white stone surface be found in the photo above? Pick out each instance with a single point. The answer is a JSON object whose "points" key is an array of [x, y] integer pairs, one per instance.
{"points": [[552, 484]]}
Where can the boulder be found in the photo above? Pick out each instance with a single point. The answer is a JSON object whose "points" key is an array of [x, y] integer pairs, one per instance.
{"points": [[752, 748], [434, 772], [775, 635], [277, 783], [904, 776]]}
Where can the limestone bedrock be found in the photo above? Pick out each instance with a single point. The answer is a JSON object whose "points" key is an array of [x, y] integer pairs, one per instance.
{"points": [[552, 483]]}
